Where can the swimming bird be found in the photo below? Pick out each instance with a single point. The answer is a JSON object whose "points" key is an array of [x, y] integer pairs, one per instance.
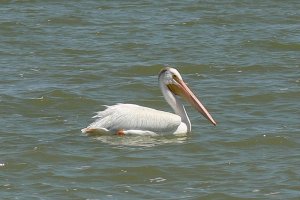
{"points": [[124, 119]]}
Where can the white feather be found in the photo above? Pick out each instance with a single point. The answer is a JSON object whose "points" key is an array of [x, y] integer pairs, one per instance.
{"points": [[135, 119]]}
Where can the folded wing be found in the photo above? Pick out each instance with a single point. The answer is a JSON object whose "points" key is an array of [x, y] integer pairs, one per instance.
{"points": [[134, 117]]}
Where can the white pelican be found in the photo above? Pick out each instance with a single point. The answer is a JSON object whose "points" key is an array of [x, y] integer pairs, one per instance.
{"points": [[122, 119]]}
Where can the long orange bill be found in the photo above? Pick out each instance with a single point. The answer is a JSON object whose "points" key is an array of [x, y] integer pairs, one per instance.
{"points": [[184, 91]]}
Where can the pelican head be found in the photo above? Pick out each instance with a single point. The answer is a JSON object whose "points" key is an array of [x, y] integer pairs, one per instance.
{"points": [[172, 86]]}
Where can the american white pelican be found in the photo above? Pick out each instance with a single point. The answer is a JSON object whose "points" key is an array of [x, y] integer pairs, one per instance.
{"points": [[122, 119]]}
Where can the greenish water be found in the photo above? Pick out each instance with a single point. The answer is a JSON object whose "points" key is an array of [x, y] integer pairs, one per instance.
{"points": [[62, 61]]}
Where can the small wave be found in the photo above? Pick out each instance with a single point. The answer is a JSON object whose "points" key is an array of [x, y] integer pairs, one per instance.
{"points": [[273, 45], [140, 141], [263, 140]]}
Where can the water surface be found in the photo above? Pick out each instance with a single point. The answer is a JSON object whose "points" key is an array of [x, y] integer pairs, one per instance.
{"points": [[62, 61]]}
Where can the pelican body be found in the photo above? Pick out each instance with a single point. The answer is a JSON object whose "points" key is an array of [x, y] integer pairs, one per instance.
{"points": [[123, 119]]}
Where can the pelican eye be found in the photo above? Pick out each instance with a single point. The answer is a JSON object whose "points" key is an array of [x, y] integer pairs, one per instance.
{"points": [[175, 78]]}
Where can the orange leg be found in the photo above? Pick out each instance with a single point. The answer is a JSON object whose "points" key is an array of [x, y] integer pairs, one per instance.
{"points": [[120, 132]]}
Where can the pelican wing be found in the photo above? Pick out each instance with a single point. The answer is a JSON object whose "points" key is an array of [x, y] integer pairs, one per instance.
{"points": [[134, 117]]}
